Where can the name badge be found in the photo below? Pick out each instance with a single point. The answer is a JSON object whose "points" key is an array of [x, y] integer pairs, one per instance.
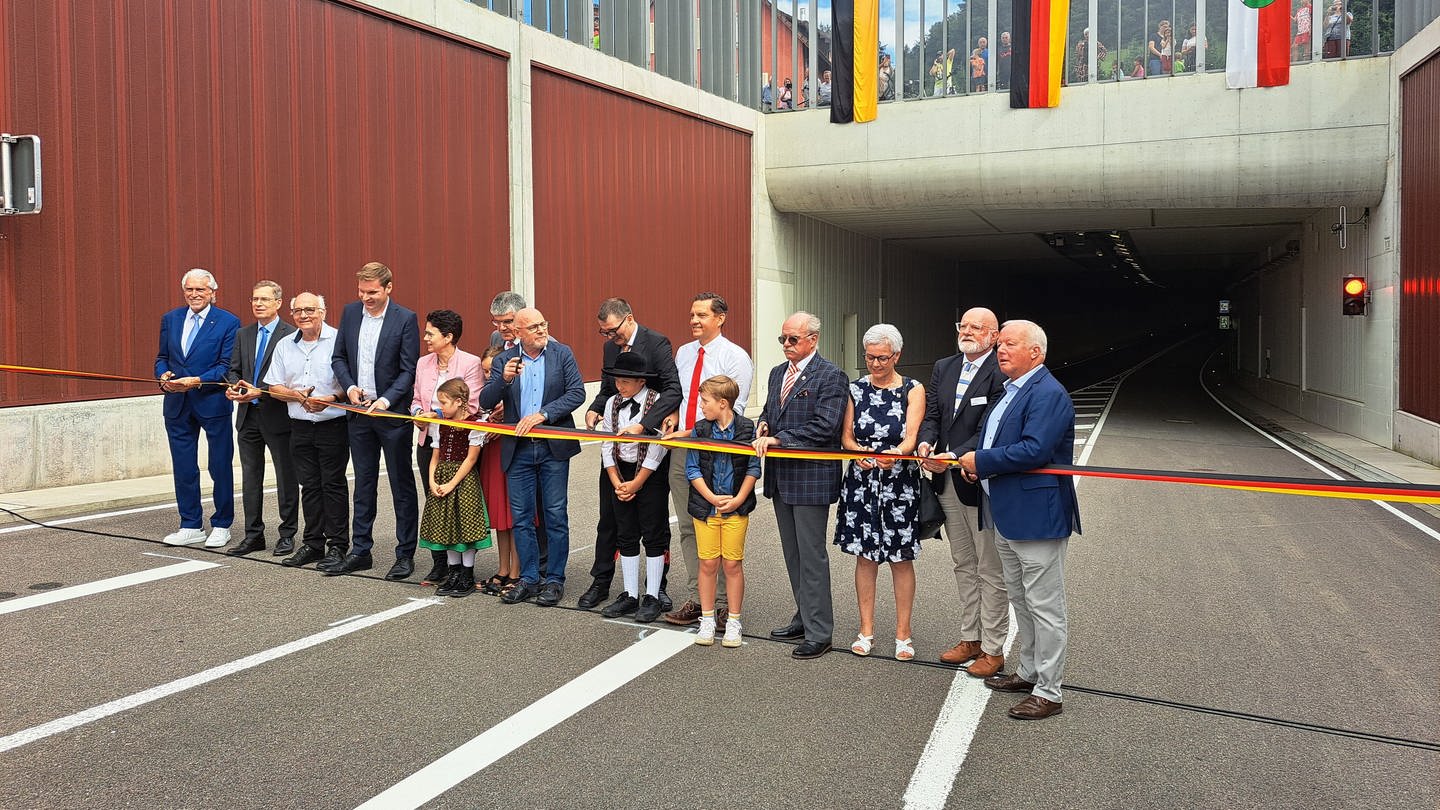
{"points": [[979, 401]]}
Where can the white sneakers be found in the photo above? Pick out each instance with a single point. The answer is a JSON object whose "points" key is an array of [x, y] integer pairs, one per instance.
{"points": [[732, 634], [188, 537], [706, 636], [185, 537]]}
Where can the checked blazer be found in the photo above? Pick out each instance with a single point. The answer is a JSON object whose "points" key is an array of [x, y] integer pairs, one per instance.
{"points": [[957, 430], [811, 417]]}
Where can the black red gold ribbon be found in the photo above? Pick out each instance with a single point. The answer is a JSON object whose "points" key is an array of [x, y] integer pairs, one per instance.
{"points": [[1313, 487]]}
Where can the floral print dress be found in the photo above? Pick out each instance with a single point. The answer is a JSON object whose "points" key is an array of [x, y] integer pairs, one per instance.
{"points": [[879, 515]]}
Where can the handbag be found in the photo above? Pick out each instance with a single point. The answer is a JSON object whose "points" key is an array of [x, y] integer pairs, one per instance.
{"points": [[932, 517]]}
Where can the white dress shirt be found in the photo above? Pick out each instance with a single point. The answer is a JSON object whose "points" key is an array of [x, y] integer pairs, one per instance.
{"points": [[370, 326], [721, 357], [298, 364], [628, 451]]}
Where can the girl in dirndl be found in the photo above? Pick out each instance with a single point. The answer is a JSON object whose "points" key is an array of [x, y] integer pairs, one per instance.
{"points": [[455, 520]]}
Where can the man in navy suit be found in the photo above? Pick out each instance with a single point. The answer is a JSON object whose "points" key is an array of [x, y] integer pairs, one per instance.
{"points": [[804, 408], [961, 388], [196, 341], [1031, 426], [374, 362], [540, 384]]}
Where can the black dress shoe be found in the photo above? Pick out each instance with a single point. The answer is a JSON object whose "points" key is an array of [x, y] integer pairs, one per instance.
{"points": [[333, 557], [304, 556], [402, 569], [649, 609], [438, 572], [522, 592], [665, 604], [351, 564], [624, 605], [810, 649], [790, 632], [550, 594], [284, 546], [594, 595], [249, 545]]}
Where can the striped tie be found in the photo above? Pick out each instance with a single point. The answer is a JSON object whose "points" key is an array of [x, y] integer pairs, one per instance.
{"points": [[967, 375], [790, 376]]}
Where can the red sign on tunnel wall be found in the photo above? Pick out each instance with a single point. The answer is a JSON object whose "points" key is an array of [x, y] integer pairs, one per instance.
{"points": [[293, 140], [1420, 241]]}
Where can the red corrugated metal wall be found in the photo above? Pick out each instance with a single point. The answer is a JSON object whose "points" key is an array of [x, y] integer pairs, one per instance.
{"points": [[1420, 241], [289, 139], [639, 201]]}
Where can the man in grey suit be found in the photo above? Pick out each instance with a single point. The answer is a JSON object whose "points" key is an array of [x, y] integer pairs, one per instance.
{"points": [[961, 388], [804, 408], [261, 422], [502, 316]]}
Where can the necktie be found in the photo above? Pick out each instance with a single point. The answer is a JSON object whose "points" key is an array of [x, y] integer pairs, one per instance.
{"points": [[260, 348], [694, 397], [790, 376], [967, 375], [194, 330]]}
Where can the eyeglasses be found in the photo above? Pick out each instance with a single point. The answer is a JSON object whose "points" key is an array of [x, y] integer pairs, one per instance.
{"points": [[608, 332], [262, 300], [536, 328], [791, 340], [508, 322], [305, 310], [961, 326], [879, 358]]}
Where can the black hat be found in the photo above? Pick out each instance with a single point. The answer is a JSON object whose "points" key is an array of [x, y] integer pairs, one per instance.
{"points": [[632, 364]]}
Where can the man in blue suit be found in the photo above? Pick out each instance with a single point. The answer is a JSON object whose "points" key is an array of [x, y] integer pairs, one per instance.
{"points": [[1031, 426], [804, 408], [540, 384], [196, 341], [374, 361]]}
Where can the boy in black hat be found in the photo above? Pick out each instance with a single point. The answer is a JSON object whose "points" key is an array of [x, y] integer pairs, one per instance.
{"points": [[640, 491]]}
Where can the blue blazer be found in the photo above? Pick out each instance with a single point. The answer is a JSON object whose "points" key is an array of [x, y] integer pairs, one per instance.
{"points": [[811, 417], [209, 359], [564, 392], [1036, 430], [396, 353]]}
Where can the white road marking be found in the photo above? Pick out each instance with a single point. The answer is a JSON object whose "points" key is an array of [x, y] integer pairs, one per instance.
{"points": [[129, 702], [530, 722], [339, 622], [103, 585]]}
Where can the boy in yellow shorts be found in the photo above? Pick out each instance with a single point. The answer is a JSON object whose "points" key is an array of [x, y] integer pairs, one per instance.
{"points": [[722, 496]]}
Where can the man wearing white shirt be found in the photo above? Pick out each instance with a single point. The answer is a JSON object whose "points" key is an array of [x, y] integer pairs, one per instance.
{"points": [[710, 354], [301, 375]]}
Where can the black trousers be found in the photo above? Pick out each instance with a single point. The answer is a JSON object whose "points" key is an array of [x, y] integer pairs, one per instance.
{"points": [[252, 438], [644, 520], [321, 450], [369, 439]]}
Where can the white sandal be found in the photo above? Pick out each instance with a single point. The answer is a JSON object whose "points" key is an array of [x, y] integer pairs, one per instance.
{"points": [[862, 645], [904, 650]]}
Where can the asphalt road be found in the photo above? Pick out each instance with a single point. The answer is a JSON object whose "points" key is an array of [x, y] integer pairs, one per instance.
{"points": [[1221, 643]]}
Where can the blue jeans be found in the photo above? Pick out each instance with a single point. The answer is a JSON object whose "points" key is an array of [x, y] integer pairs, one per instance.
{"points": [[534, 468]]}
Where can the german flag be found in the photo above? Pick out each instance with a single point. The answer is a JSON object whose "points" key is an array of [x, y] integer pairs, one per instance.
{"points": [[855, 55], [1039, 58]]}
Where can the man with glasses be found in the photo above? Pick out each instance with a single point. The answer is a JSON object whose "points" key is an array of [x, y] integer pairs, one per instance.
{"points": [[196, 342], [261, 422], [540, 385], [804, 408], [502, 316], [961, 387], [622, 335], [301, 375]]}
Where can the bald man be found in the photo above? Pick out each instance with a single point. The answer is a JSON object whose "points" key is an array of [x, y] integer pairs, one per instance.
{"points": [[962, 386]]}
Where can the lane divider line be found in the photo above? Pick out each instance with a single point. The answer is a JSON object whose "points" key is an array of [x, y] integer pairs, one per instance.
{"points": [[530, 722], [102, 585], [124, 704]]}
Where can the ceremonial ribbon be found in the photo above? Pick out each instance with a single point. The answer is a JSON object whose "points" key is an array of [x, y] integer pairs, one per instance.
{"points": [[1313, 487]]}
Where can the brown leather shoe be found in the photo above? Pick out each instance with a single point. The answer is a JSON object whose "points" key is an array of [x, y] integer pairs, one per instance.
{"points": [[688, 613], [986, 665], [1009, 683], [1035, 708], [960, 653]]}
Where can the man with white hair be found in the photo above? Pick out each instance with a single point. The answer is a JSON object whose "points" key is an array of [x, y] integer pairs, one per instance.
{"points": [[1030, 427], [196, 341]]}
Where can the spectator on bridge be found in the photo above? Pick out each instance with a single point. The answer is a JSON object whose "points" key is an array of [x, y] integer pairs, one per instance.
{"points": [[1337, 31], [1138, 71], [767, 96], [961, 387], [300, 373], [1188, 54], [196, 343], [1080, 72], [879, 516], [824, 95], [885, 84], [977, 70], [942, 72], [1032, 516], [443, 361], [1300, 46], [804, 408], [540, 385], [787, 97], [455, 522], [1161, 48], [1003, 55], [262, 422]]}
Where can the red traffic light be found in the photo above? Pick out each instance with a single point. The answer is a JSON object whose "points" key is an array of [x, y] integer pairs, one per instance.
{"points": [[1354, 285], [1354, 289]]}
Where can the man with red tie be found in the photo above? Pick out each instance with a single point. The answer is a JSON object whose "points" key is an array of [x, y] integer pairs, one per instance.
{"points": [[708, 355]]}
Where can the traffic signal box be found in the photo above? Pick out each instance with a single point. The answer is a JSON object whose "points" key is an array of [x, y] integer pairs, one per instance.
{"points": [[1354, 290]]}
